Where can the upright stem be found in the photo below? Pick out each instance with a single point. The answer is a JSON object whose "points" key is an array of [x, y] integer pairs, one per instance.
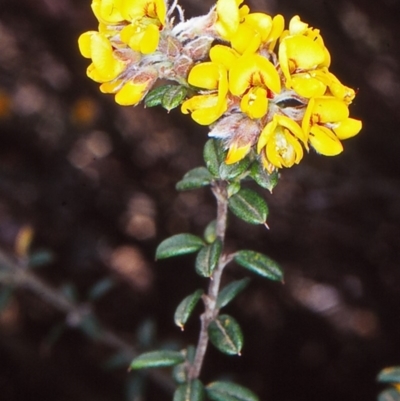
{"points": [[210, 300]]}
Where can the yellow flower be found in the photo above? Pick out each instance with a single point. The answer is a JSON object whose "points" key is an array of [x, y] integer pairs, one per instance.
{"points": [[279, 143], [302, 54], [136, 9], [141, 37], [326, 120], [228, 17], [253, 76], [105, 66], [207, 108]]}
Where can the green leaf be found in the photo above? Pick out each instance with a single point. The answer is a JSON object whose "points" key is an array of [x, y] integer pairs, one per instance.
{"points": [[179, 244], [193, 179], [230, 171], [40, 258], [157, 359], [155, 96], [213, 156], [233, 188], [192, 391], [179, 372], [259, 264], [229, 292], [262, 178], [226, 334], [390, 394], [173, 97], [226, 391], [208, 258], [100, 288], [185, 308], [249, 206], [389, 375], [210, 232]]}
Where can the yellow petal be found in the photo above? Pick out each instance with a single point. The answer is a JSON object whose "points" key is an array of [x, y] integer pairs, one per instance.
{"points": [[150, 39], [204, 75], [246, 39], [324, 141], [205, 109], [348, 128], [296, 26], [131, 93], [103, 58], [304, 52], [110, 10], [266, 134], [253, 70], [237, 153], [84, 43], [278, 25], [328, 109], [292, 126], [307, 86], [135, 9], [255, 103], [227, 17], [260, 22], [223, 55], [94, 74]]}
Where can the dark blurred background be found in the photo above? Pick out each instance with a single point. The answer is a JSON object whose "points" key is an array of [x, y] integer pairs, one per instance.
{"points": [[94, 182]]}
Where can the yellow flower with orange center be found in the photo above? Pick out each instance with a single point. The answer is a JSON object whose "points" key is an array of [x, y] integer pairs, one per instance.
{"points": [[327, 121], [280, 143]]}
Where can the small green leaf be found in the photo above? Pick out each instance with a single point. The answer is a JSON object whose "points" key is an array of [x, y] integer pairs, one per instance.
{"points": [[230, 171], [226, 391], [155, 96], [192, 391], [390, 394], [249, 206], [233, 188], [185, 308], [40, 258], [262, 178], [259, 264], [213, 156], [100, 288], [229, 292], [208, 258], [226, 334], [157, 359], [210, 232], [173, 97], [193, 179], [179, 244], [389, 375]]}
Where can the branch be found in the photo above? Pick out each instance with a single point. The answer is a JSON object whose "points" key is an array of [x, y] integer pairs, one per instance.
{"points": [[14, 272], [210, 300]]}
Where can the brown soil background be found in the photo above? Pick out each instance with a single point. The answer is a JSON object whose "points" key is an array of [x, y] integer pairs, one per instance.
{"points": [[96, 182]]}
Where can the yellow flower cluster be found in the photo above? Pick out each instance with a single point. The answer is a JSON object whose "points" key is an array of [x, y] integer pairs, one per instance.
{"points": [[264, 87]]}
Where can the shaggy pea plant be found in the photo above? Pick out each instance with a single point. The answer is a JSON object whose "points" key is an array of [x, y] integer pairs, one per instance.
{"points": [[265, 92]]}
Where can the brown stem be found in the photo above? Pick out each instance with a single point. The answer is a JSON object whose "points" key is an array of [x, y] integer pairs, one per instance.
{"points": [[210, 300]]}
